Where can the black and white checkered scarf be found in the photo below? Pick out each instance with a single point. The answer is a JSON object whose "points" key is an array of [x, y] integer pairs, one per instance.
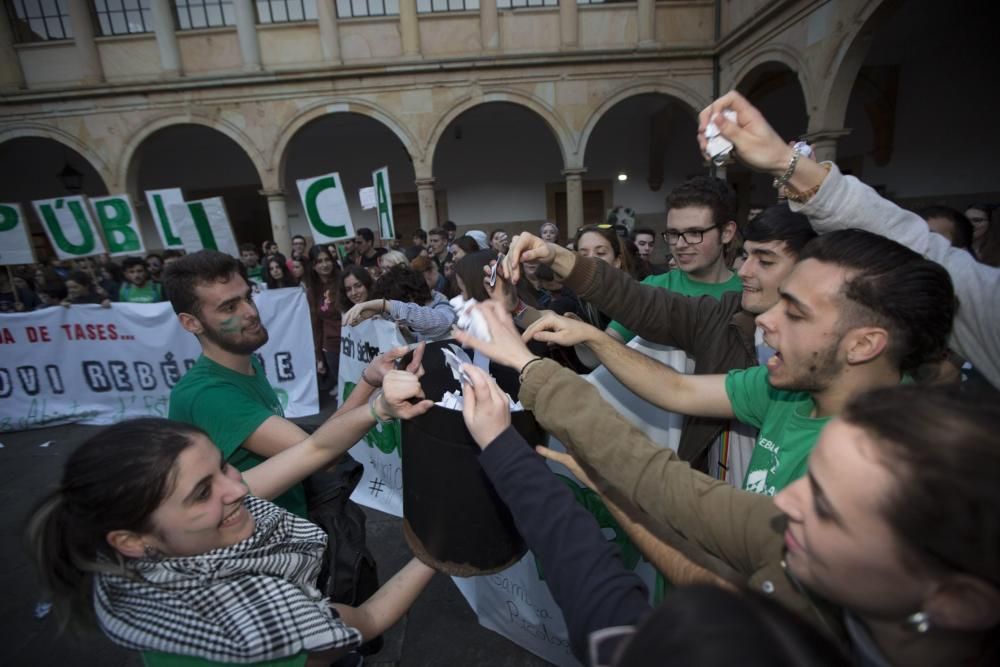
{"points": [[253, 601]]}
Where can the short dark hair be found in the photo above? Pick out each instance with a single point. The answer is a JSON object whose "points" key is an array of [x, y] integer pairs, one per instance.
{"points": [[170, 254], [643, 230], [963, 228], [153, 254], [438, 231], [366, 234], [890, 286], [180, 278], [249, 246], [82, 278], [401, 283], [940, 444], [129, 262], [779, 223], [467, 244], [709, 192], [420, 234], [299, 236], [450, 226], [113, 481]]}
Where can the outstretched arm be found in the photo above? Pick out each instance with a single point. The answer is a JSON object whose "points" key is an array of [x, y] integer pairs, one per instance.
{"points": [[584, 572]]}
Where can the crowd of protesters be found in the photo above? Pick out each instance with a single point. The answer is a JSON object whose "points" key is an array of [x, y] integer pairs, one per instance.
{"points": [[857, 342]]}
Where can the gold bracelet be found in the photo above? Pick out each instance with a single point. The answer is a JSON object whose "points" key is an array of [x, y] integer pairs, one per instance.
{"points": [[802, 197]]}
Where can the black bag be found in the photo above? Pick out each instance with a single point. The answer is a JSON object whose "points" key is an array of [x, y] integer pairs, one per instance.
{"points": [[349, 574]]}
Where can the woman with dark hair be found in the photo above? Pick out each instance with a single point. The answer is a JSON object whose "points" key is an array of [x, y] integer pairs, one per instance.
{"points": [[152, 537], [602, 242], [297, 270], [888, 543], [355, 285], [462, 246], [80, 289], [321, 288], [277, 275], [402, 296]]}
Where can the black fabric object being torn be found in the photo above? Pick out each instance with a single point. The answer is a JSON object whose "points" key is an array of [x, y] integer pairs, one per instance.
{"points": [[453, 518]]}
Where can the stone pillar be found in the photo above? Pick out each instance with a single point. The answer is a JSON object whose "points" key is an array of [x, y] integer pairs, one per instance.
{"points": [[329, 36], [279, 220], [646, 23], [427, 203], [489, 25], [409, 29], [83, 36], [574, 199], [246, 29], [824, 143], [569, 26], [166, 37], [11, 75]]}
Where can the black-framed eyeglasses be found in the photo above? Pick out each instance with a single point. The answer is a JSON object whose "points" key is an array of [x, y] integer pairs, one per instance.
{"points": [[691, 236]]}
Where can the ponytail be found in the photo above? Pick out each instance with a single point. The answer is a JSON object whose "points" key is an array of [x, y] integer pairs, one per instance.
{"points": [[114, 481]]}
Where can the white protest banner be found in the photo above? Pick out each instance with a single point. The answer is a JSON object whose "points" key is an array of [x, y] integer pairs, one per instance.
{"points": [[160, 202], [15, 242], [68, 225], [204, 225], [117, 218], [382, 483], [326, 208], [100, 365], [383, 199]]}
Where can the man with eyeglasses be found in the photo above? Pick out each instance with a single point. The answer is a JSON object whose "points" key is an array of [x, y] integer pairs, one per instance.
{"points": [[701, 216]]}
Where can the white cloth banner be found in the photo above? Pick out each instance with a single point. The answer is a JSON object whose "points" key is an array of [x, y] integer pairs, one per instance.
{"points": [[381, 486], [516, 602], [98, 365]]}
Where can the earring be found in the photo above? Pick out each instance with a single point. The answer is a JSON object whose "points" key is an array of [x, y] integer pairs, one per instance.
{"points": [[919, 622], [152, 553]]}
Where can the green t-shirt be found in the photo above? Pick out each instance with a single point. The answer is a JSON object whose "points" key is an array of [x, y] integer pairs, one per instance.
{"points": [[680, 282], [230, 406], [256, 273], [787, 432], [151, 292]]}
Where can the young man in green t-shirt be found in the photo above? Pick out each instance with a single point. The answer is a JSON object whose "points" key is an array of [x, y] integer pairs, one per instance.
{"points": [[138, 287], [226, 392], [855, 313], [701, 222], [251, 262]]}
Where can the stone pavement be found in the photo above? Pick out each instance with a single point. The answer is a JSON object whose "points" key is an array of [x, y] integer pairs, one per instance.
{"points": [[440, 629]]}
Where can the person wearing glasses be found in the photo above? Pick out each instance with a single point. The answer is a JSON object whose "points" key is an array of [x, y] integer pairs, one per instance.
{"points": [[701, 222]]}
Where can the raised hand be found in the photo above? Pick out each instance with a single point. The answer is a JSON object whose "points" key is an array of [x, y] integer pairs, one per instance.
{"points": [[380, 366], [398, 387], [486, 408], [506, 348], [756, 142], [525, 248], [561, 330]]}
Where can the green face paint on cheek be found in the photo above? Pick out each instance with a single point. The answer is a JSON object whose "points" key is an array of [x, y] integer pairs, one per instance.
{"points": [[230, 325]]}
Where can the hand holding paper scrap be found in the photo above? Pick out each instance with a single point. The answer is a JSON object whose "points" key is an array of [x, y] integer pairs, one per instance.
{"points": [[470, 319], [719, 147]]}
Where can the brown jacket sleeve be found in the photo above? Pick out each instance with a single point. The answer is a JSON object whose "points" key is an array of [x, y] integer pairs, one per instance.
{"points": [[730, 524], [657, 314]]}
